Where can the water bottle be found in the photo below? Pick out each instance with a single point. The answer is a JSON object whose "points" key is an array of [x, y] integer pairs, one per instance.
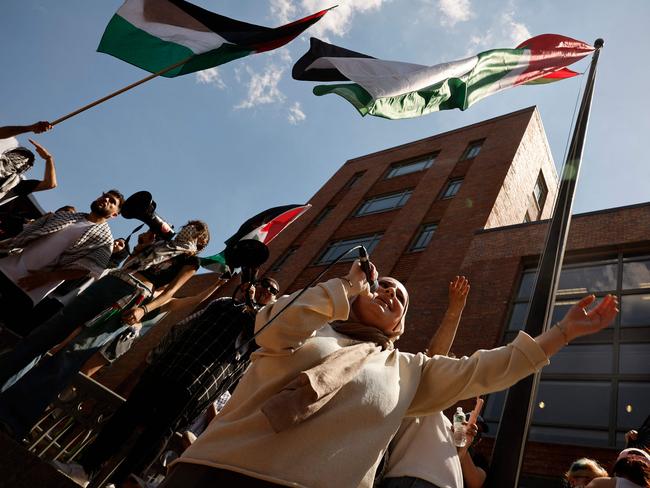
{"points": [[459, 429]]}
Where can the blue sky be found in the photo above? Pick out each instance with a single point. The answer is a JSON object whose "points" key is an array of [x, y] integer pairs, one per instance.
{"points": [[227, 143]]}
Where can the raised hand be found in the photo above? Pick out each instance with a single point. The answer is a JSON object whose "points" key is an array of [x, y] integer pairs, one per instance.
{"points": [[458, 291], [579, 321], [42, 152]]}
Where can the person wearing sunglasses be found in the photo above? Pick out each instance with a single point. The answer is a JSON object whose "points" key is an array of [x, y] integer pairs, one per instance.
{"points": [[195, 363]]}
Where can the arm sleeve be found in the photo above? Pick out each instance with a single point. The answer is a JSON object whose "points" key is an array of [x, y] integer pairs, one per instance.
{"points": [[25, 187], [445, 380], [316, 307]]}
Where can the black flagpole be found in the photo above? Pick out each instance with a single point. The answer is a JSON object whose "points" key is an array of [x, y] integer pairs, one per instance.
{"points": [[509, 446]]}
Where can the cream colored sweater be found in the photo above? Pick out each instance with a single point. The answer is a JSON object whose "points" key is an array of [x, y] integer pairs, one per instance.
{"points": [[342, 444]]}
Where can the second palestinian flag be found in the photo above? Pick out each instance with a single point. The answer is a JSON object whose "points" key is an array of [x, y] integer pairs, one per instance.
{"points": [[156, 34], [396, 90]]}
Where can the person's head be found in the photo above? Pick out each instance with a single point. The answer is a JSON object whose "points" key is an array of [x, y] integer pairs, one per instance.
{"points": [[266, 291], [66, 208], [108, 205], [194, 231], [384, 309], [633, 465], [18, 160], [583, 471]]}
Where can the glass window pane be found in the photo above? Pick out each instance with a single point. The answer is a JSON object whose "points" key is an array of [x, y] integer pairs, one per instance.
{"points": [[424, 237], [584, 437], [560, 310], [633, 405], [380, 204], [335, 249], [404, 169], [582, 359], [634, 359], [518, 317], [527, 284], [585, 280], [494, 405], [452, 188], [635, 310], [573, 403], [636, 274]]}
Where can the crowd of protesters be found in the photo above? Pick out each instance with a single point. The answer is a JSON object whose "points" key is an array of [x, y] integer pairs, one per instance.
{"points": [[315, 392]]}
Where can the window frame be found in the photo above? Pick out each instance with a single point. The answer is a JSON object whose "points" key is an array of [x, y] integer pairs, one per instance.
{"points": [[452, 181], [278, 263], [467, 153], [395, 167], [421, 230], [352, 242], [404, 195], [540, 200], [618, 337]]}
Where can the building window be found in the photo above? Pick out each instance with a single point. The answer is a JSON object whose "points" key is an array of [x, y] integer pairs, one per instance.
{"points": [[383, 203], [595, 389], [540, 192], [452, 188], [323, 215], [337, 248], [472, 150], [526, 218], [283, 259], [353, 179], [424, 237], [410, 167]]}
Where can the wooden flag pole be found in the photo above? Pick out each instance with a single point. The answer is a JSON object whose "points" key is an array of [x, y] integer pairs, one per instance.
{"points": [[120, 91]]}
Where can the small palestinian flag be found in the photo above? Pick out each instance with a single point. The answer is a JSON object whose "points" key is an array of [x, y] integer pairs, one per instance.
{"points": [[156, 34], [264, 227], [397, 90]]}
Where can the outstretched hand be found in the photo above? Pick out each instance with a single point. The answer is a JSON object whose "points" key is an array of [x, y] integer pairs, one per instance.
{"points": [[42, 152], [579, 321], [458, 291]]}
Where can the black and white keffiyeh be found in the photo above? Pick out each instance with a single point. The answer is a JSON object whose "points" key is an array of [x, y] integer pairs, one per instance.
{"points": [[13, 163], [91, 251]]}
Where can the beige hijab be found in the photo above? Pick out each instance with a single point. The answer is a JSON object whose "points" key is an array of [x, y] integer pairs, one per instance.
{"points": [[310, 391]]}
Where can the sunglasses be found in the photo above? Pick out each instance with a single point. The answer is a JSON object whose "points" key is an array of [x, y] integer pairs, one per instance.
{"points": [[269, 286]]}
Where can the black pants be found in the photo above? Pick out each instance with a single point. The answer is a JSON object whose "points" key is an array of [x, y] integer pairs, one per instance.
{"points": [[150, 412], [184, 475]]}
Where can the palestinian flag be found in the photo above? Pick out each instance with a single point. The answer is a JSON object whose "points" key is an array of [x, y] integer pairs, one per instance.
{"points": [[156, 34], [397, 90], [264, 227]]}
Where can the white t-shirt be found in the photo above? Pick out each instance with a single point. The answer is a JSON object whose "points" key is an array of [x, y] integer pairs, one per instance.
{"points": [[424, 448], [40, 254]]}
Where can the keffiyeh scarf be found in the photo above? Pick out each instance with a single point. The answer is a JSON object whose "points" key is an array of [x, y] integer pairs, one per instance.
{"points": [[13, 163]]}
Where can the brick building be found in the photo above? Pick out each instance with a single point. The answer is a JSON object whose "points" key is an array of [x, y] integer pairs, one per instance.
{"points": [[474, 201]]}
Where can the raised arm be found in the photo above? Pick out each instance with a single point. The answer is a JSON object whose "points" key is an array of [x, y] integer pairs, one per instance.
{"points": [[319, 305], [15, 130], [444, 337], [49, 178], [446, 381]]}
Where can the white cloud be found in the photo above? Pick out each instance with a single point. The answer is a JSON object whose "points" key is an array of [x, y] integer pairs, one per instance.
{"points": [[503, 32], [517, 31], [454, 11], [263, 87], [9, 143], [296, 115], [284, 11], [338, 21], [210, 76]]}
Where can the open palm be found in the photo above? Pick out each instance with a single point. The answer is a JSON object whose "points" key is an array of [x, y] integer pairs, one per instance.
{"points": [[579, 321]]}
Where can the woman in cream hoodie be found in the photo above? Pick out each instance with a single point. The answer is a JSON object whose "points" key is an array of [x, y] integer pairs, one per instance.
{"points": [[322, 398]]}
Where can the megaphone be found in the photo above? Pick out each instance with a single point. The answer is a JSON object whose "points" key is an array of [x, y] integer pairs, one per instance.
{"points": [[249, 255], [141, 206]]}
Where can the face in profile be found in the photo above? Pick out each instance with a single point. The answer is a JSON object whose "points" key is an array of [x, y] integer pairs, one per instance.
{"points": [[266, 291], [384, 308]]}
